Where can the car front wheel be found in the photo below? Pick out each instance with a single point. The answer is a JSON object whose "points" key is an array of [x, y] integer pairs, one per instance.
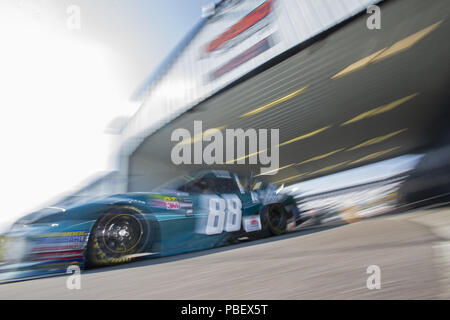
{"points": [[117, 234]]}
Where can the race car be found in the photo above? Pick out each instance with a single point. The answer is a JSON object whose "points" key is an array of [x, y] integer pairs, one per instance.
{"points": [[201, 210]]}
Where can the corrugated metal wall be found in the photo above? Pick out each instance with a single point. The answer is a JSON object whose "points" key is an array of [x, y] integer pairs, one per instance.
{"points": [[187, 81]]}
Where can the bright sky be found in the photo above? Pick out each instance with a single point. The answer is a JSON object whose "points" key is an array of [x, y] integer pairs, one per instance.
{"points": [[61, 88]]}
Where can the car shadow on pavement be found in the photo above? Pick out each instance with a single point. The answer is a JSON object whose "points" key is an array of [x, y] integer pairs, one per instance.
{"points": [[141, 262]]}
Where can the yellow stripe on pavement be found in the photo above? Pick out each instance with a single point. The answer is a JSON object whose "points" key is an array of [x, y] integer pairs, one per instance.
{"points": [[273, 103], [312, 173], [321, 156], [358, 65], [308, 135], [291, 178], [384, 53], [377, 139], [275, 170], [306, 161], [381, 109], [374, 155], [329, 168], [246, 156], [406, 43]]}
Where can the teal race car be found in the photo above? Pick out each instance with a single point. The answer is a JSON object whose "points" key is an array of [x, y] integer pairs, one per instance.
{"points": [[202, 210]]}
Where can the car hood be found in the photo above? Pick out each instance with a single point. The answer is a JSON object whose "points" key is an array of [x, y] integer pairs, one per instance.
{"points": [[39, 215], [160, 200]]}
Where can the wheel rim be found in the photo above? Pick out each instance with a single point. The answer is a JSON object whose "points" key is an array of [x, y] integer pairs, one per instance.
{"points": [[122, 233], [274, 218]]}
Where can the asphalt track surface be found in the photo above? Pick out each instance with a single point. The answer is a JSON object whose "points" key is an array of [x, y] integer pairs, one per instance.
{"points": [[412, 251]]}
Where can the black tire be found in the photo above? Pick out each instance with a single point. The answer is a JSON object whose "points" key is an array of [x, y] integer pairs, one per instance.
{"points": [[276, 219], [120, 232]]}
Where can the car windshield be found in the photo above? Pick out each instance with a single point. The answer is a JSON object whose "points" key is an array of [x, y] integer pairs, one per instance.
{"points": [[202, 182], [174, 184]]}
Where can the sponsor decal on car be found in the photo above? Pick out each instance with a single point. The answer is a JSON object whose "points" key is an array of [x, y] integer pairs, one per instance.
{"points": [[252, 223], [169, 202], [172, 205], [62, 234], [59, 246]]}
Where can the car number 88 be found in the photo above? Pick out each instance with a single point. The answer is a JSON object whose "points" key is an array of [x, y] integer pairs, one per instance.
{"points": [[224, 214]]}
